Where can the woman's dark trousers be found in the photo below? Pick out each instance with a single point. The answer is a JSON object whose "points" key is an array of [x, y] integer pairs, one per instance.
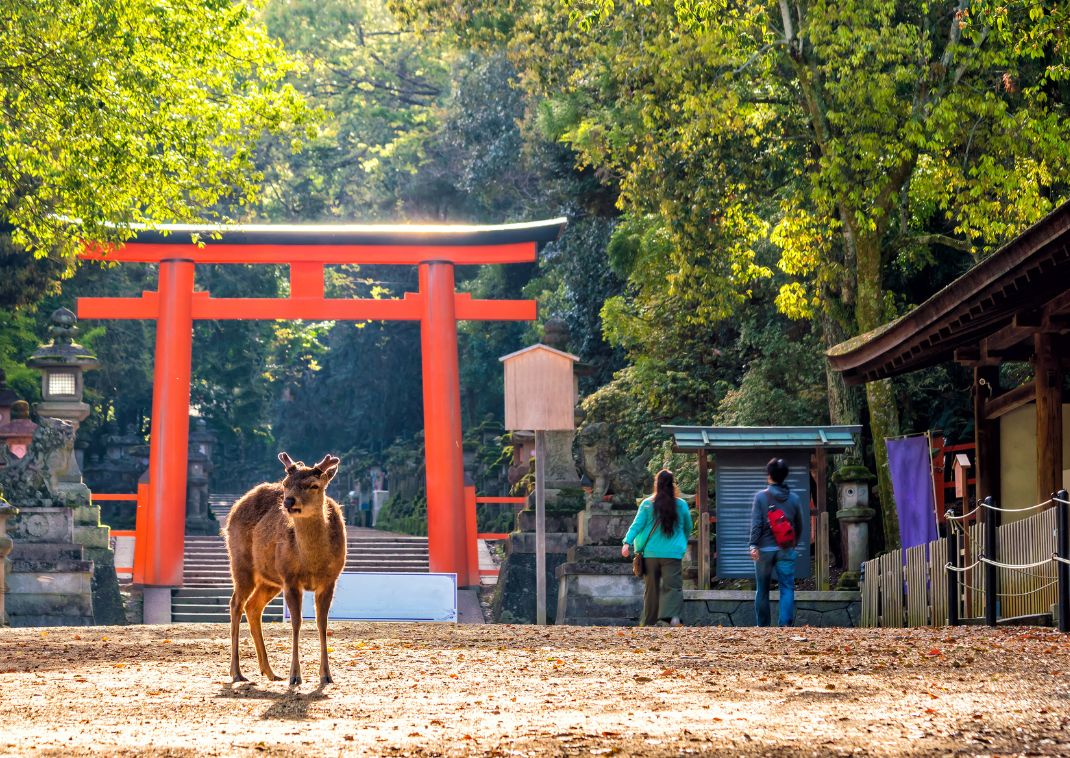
{"points": [[663, 598]]}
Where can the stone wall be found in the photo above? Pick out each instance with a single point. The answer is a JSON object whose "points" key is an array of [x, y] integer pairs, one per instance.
{"points": [[736, 608]]}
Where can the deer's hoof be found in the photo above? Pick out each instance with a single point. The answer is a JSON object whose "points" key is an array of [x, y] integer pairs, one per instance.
{"points": [[295, 680], [272, 677], [326, 679], [238, 678]]}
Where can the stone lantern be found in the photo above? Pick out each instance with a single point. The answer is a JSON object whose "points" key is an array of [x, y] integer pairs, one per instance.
{"points": [[17, 433], [199, 519], [62, 363], [853, 513], [7, 399]]}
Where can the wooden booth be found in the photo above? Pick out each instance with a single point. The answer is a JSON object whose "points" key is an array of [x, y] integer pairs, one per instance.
{"points": [[738, 456], [1012, 307]]}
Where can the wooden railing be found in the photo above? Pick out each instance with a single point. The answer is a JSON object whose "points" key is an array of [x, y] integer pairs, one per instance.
{"points": [[910, 588]]}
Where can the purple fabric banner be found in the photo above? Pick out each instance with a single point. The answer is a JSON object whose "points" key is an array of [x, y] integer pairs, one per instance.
{"points": [[910, 464]]}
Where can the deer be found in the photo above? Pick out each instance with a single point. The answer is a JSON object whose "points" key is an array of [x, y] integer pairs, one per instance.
{"points": [[288, 537]]}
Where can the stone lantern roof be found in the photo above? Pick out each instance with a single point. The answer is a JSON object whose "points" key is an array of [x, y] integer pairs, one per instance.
{"points": [[62, 350], [19, 430]]}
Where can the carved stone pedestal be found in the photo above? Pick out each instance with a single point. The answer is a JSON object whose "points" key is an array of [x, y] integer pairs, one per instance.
{"points": [[51, 582], [596, 586]]}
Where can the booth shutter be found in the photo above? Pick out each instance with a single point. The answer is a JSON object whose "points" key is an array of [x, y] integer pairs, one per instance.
{"points": [[740, 474]]}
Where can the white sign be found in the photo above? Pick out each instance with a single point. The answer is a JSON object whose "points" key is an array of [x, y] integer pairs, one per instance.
{"points": [[388, 596]]}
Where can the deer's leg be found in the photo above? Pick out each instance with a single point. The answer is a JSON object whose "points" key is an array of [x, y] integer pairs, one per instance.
{"points": [[293, 602], [323, 605], [254, 611], [242, 590]]}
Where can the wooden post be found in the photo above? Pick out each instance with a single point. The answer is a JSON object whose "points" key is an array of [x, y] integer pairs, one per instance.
{"points": [[1049, 383], [1062, 545], [703, 553], [991, 573], [986, 433], [540, 527], [953, 549], [822, 559], [821, 552]]}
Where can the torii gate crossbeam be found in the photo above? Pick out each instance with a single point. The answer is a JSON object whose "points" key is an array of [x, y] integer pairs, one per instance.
{"points": [[436, 250]]}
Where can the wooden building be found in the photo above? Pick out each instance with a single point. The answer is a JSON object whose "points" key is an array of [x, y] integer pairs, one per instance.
{"points": [[1012, 307]]}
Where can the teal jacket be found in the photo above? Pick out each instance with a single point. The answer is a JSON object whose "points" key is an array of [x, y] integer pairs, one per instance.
{"points": [[658, 545]]}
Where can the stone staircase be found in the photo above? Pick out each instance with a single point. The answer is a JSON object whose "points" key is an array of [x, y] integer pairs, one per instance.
{"points": [[205, 594]]}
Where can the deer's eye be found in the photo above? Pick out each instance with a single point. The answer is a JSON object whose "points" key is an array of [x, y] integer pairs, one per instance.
{"points": [[313, 486]]}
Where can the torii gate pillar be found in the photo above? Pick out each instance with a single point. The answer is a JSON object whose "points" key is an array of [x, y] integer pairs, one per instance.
{"points": [[168, 449], [446, 533]]}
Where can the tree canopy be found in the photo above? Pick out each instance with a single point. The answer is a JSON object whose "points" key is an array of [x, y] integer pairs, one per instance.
{"points": [[122, 112]]}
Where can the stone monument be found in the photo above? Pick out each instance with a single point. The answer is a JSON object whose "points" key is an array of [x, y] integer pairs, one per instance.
{"points": [[51, 581], [56, 475], [596, 586]]}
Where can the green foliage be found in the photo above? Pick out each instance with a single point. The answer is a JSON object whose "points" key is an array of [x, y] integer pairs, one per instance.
{"points": [[403, 515], [126, 112]]}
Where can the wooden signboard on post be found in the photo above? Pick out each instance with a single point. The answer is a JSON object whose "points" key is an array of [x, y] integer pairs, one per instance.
{"points": [[540, 396]]}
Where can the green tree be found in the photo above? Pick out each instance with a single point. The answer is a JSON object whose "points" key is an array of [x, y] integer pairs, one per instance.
{"points": [[127, 112], [847, 134]]}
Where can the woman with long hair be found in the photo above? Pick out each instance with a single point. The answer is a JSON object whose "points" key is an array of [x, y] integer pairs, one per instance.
{"points": [[660, 531]]}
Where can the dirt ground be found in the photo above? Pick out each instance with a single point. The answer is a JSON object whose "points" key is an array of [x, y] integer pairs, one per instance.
{"points": [[425, 689]]}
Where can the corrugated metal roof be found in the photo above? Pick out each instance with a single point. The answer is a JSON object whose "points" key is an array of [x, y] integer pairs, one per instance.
{"points": [[694, 438]]}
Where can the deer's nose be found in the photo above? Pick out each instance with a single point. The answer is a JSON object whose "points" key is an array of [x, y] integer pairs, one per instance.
{"points": [[289, 502]]}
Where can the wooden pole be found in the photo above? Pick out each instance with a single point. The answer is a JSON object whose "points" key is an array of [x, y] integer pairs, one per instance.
{"points": [[991, 573], [1049, 382], [986, 433], [703, 553], [953, 548], [540, 527], [1062, 544]]}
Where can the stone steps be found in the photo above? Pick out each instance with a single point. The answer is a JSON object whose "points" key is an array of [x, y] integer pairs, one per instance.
{"points": [[205, 594]]}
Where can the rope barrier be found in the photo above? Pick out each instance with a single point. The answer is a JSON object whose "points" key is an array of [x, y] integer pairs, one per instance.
{"points": [[952, 517], [962, 569], [1018, 510], [1014, 567], [1027, 592], [1055, 557]]}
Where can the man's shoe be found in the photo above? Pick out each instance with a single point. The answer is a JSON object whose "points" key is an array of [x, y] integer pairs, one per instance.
{"points": [[674, 621], [662, 622]]}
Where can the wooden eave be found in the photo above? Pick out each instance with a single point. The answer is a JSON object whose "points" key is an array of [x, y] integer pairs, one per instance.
{"points": [[988, 315]]}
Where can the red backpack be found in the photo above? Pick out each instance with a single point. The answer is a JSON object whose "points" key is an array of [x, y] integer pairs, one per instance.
{"points": [[783, 531]]}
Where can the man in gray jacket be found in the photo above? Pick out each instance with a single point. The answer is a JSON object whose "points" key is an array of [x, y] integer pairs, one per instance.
{"points": [[764, 551]]}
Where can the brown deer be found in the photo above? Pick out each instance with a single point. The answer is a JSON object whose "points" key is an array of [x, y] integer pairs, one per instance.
{"points": [[285, 536]]}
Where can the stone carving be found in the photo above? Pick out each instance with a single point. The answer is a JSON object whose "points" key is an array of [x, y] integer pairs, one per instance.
{"points": [[37, 477], [609, 469]]}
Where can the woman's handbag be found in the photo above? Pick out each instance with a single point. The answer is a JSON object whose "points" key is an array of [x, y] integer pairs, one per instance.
{"points": [[637, 560]]}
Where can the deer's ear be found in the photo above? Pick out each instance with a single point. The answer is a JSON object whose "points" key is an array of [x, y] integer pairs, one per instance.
{"points": [[287, 462]]}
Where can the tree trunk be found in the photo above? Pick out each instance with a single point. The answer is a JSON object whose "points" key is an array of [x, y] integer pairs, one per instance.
{"points": [[845, 403], [883, 413]]}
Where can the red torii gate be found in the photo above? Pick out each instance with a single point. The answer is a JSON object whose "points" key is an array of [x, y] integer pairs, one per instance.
{"points": [[436, 250]]}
